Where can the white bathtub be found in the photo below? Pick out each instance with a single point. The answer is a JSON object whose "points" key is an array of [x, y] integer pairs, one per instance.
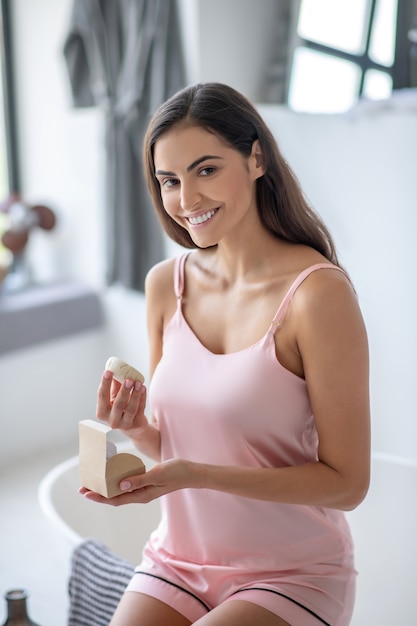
{"points": [[384, 528]]}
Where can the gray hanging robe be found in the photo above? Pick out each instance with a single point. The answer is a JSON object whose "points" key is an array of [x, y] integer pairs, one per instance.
{"points": [[126, 57]]}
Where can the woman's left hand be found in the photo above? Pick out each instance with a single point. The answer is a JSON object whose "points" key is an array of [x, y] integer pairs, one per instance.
{"points": [[158, 481]]}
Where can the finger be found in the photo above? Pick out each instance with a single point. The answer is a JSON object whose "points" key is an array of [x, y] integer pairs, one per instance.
{"points": [[135, 406], [114, 389], [146, 486], [123, 395], [120, 404], [103, 396], [124, 498], [91, 495], [142, 399], [142, 495], [139, 481]]}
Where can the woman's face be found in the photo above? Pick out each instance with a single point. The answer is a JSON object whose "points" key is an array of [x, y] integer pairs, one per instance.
{"points": [[206, 186]]}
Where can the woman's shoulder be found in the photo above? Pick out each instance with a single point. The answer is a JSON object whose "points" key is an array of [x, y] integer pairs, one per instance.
{"points": [[160, 294], [160, 271], [326, 298], [322, 280], [300, 260], [316, 283], [159, 281]]}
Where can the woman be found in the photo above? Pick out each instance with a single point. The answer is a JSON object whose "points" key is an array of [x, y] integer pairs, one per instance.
{"points": [[260, 428]]}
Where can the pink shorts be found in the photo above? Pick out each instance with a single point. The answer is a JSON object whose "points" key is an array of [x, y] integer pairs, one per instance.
{"points": [[304, 601]]}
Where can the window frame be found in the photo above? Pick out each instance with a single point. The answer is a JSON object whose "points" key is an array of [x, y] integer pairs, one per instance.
{"points": [[399, 71], [9, 100], [406, 15]]}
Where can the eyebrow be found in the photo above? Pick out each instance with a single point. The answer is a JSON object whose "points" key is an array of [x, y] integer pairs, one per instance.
{"points": [[191, 167]]}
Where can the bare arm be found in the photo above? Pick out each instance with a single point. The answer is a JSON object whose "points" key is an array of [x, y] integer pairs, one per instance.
{"points": [[334, 349], [122, 406]]}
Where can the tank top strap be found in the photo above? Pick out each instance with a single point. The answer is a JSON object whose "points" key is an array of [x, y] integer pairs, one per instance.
{"points": [[291, 291], [179, 275]]}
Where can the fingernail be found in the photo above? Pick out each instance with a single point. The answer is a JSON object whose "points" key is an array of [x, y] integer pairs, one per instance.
{"points": [[129, 383], [138, 385], [125, 485], [107, 374]]}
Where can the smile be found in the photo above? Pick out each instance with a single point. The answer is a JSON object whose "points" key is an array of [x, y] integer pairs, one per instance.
{"points": [[200, 219]]}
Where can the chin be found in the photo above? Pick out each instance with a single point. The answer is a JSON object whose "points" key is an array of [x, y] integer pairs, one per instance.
{"points": [[204, 243]]}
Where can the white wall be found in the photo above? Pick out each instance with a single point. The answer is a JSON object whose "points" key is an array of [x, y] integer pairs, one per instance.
{"points": [[358, 171], [236, 40], [229, 41], [60, 147], [46, 390]]}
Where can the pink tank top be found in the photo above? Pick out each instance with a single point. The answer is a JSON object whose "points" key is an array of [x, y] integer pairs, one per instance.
{"points": [[241, 409]]}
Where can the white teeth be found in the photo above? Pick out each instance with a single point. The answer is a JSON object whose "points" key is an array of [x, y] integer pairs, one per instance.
{"points": [[201, 218]]}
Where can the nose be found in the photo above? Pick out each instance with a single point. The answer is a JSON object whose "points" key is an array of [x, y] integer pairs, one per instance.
{"points": [[190, 196]]}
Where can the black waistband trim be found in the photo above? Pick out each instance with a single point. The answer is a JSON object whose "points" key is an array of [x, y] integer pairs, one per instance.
{"points": [[278, 593], [177, 586]]}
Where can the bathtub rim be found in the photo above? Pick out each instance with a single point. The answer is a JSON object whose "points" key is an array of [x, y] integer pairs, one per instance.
{"points": [[45, 489], [46, 502], [49, 511]]}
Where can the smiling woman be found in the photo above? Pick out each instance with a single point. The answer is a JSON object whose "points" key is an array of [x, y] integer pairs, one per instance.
{"points": [[213, 108], [248, 415], [206, 179]]}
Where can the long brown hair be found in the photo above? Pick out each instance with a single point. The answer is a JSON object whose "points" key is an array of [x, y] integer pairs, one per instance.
{"points": [[222, 110]]}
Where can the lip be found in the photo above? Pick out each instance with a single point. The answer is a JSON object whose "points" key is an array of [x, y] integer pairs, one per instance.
{"points": [[199, 219]]}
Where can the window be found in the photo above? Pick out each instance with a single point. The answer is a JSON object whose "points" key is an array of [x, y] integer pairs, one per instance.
{"points": [[347, 49]]}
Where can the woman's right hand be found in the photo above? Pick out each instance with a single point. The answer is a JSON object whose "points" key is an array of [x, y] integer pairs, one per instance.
{"points": [[122, 405]]}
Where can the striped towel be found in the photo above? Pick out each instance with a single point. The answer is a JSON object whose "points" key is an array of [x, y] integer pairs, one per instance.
{"points": [[98, 579]]}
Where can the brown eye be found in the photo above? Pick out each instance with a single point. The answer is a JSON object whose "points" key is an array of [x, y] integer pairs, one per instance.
{"points": [[206, 171], [169, 182]]}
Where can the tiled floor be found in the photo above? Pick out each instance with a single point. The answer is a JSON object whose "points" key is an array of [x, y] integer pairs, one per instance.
{"points": [[31, 556]]}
